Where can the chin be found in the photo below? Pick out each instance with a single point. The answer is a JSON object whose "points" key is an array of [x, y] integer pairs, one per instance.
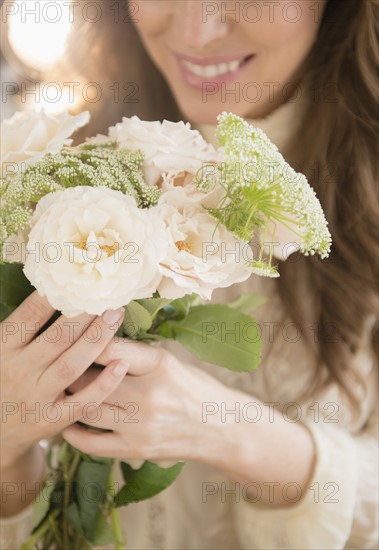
{"points": [[207, 113], [195, 116]]}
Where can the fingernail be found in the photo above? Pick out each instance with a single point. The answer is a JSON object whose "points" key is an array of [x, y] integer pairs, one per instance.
{"points": [[111, 316], [121, 368]]}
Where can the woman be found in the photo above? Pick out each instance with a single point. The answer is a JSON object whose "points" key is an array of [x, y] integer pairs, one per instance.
{"points": [[284, 457]]}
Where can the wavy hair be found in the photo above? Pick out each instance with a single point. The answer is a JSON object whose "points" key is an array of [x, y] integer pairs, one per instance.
{"points": [[338, 152]]}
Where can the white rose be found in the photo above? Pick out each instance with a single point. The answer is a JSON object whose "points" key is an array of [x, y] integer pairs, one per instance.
{"points": [[92, 249], [168, 146], [181, 196], [27, 136], [201, 255]]}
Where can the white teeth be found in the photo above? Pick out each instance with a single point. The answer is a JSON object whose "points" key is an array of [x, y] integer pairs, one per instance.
{"points": [[197, 70], [223, 68], [211, 71], [234, 65]]}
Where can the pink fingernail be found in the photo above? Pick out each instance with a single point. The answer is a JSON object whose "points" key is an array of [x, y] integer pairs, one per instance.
{"points": [[111, 316], [121, 369]]}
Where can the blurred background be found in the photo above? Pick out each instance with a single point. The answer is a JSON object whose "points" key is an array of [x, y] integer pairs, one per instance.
{"points": [[34, 36], [79, 55]]}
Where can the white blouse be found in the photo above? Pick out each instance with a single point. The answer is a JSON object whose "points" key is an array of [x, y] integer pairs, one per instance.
{"points": [[205, 510]]}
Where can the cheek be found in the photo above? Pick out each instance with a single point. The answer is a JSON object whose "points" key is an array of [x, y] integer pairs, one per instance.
{"points": [[282, 42], [290, 23], [152, 17]]}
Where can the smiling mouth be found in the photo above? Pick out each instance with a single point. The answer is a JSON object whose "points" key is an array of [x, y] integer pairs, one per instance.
{"points": [[212, 71]]}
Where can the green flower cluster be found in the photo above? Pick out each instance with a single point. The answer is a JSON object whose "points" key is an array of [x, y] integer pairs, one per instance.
{"points": [[262, 190], [91, 164]]}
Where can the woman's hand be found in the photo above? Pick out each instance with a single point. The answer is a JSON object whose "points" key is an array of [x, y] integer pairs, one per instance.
{"points": [[157, 413], [36, 370]]}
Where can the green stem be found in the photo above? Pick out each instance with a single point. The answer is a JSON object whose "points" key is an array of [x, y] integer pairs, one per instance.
{"points": [[55, 530], [117, 529], [48, 539], [115, 520], [272, 245], [35, 537], [263, 242], [74, 463], [252, 212], [68, 477]]}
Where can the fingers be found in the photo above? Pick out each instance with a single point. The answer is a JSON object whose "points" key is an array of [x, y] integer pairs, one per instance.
{"points": [[86, 378], [72, 363], [58, 337], [95, 392], [143, 358], [94, 443], [113, 416], [124, 394], [24, 323]]}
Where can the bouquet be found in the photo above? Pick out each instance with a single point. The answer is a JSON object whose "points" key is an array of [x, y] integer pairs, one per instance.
{"points": [[151, 218]]}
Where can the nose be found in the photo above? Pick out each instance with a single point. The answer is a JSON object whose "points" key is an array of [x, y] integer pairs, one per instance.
{"points": [[202, 23]]}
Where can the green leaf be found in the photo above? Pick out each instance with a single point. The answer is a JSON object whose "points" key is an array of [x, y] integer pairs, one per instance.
{"points": [[180, 307], [153, 305], [15, 287], [146, 482], [247, 303], [218, 334], [103, 532], [43, 503], [96, 458], [5, 311], [92, 484], [73, 517], [136, 319]]}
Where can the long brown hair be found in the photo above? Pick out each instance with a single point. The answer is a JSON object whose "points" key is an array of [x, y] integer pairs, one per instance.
{"points": [[336, 148], [338, 153]]}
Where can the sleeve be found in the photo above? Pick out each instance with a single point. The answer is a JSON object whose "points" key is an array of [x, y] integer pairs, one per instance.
{"points": [[16, 529], [340, 507]]}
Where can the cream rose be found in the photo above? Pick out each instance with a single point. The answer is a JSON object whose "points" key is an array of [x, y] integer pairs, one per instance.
{"points": [[184, 195], [167, 146], [27, 136], [92, 249], [201, 255]]}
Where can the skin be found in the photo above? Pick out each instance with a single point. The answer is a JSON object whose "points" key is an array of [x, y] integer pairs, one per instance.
{"points": [[167, 391], [35, 373], [280, 38]]}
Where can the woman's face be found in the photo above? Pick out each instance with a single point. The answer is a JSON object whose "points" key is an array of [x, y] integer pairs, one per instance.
{"points": [[228, 56]]}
